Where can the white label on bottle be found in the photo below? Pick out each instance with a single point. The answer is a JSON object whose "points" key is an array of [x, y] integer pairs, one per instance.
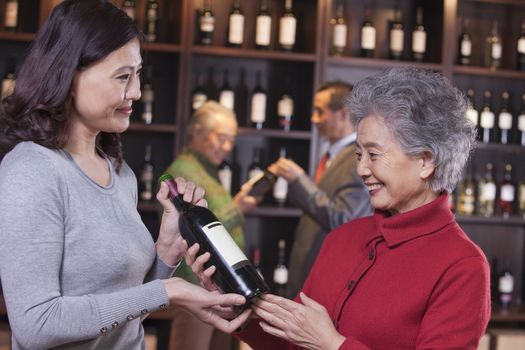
{"points": [[207, 23], [147, 113], [368, 38], [11, 14], [287, 31], [198, 100], [224, 243], [280, 275], [225, 176], [487, 120], [285, 106], [472, 115], [506, 284], [152, 15], [258, 108], [496, 51], [522, 194], [396, 40], [263, 30], [340, 31], [507, 193], [419, 41], [466, 47], [521, 45], [236, 34], [8, 85], [488, 192], [147, 94], [255, 173], [521, 122], [227, 98], [505, 121], [130, 11], [280, 189]]}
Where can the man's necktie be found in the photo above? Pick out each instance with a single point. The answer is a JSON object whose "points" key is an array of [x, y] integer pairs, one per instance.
{"points": [[321, 167]]}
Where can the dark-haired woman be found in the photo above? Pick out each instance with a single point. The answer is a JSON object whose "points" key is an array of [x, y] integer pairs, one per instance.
{"points": [[79, 269]]}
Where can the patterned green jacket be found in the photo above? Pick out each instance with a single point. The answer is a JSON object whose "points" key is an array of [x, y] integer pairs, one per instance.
{"points": [[195, 167]]}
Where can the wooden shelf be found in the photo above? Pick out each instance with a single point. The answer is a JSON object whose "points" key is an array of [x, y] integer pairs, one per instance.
{"points": [[514, 314], [252, 53], [157, 128], [501, 2], [510, 148], [275, 133], [15, 36], [162, 47], [493, 220], [487, 72], [276, 211], [379, 63]]}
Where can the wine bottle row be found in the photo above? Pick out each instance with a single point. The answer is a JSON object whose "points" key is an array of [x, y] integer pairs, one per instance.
{"points": [[258, 101], [486, 198], [505, 127], [235, 36], [280, 272], [150, 25]]}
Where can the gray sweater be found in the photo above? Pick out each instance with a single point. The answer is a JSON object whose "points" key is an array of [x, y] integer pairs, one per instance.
{"points": [[78, 267]]}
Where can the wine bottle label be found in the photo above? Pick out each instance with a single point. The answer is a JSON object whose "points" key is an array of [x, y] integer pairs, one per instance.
{"points": [[287, 31], [225, 176], [255, 174], [224, 243], [521, 122], [147, 113], [263, 30], [8, 85], [505, 121], [495, 52], [368, 38], [521, 45], [506, 284], [227, 98], [280, 189], [507, 193], [236, 33], [339, 39], [11, 14], [473, 115], [151, 15], [488, 192], [466, 48], [285, 106], [522, 196], [198, 100], [207, 24], [419, 41], [396, 40], [130, 11], [487, 120], [280, 275], [258, 114], [148, 95]]}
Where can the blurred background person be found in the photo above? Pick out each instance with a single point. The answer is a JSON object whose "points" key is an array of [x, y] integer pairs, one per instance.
{"points": [[336, 195]]}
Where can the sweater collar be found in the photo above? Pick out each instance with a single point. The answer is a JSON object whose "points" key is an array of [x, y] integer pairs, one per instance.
{"points": [[206, 164], [401, 228]]}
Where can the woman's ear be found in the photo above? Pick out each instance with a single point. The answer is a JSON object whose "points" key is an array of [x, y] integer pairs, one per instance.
{"points": [[427, 165]]}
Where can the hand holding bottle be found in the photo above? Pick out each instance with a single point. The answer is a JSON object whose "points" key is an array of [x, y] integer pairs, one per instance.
{"points": [[170, 244], [244, 200], [287, 169]]}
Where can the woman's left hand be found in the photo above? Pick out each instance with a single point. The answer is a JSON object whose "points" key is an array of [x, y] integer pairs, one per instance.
{"points": [[307, 325], [171, 247]]}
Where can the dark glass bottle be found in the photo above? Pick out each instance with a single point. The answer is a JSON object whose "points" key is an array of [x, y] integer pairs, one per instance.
{"points": [[148, 96], [198, 95], [521, 198], [206, 24], [368, 35], [285, 108], [520, 49], [521, 121], [128, 6], [280, 188], [419, 38], [493, 48], [258, 105], [263, 27], [255, 169], [11, 16], [152, 15], [505, 285], [226, 94], [465, 45], [339, 30], [506, 193], [467, 194], [505, 119], [487, 192], [287, 27], [280, 273], [146, 176], [234, 272], [262, 183], [396, 35], [487, 117], [236, 25], [225, 173], [8, 81], [472, 113]]}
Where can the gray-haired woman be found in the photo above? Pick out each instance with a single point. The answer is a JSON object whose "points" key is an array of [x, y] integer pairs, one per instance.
{"points": [[406, 277]]}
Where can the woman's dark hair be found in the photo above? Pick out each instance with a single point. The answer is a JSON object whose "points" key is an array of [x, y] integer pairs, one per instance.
{"points": [[77, 34]]}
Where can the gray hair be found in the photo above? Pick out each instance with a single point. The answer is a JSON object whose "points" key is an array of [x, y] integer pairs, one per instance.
{"points": [[425, 113], [206, 116]]}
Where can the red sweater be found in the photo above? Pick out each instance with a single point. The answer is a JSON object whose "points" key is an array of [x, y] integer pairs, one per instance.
{"points": [[410, 281]]}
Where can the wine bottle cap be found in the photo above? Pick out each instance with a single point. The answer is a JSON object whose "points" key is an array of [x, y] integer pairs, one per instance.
{"points": [[168, 179]]}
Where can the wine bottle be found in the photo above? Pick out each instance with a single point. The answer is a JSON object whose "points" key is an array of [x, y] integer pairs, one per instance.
{"points": [[520, 48], [521, 198], [234, 272], [287, 27], [128, 6], [368, 35], [504, 119], [339, 30], [493, 48], [152, 14], [198, 95], [236, 25], [472, 114], [506, 193], [521, 121], [227, 95], [148, 96], [285, 111], [225, 176], [258, 105], [11, 16], [466, 195], [396, 35], [487, 117], [465, 45], [419, 37], [280, 273], [255, 168], [487, 192], [146, 176], [206, 24], [506, 285], [280, 188], [263, 27], [8, 81], [262, 183]]}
